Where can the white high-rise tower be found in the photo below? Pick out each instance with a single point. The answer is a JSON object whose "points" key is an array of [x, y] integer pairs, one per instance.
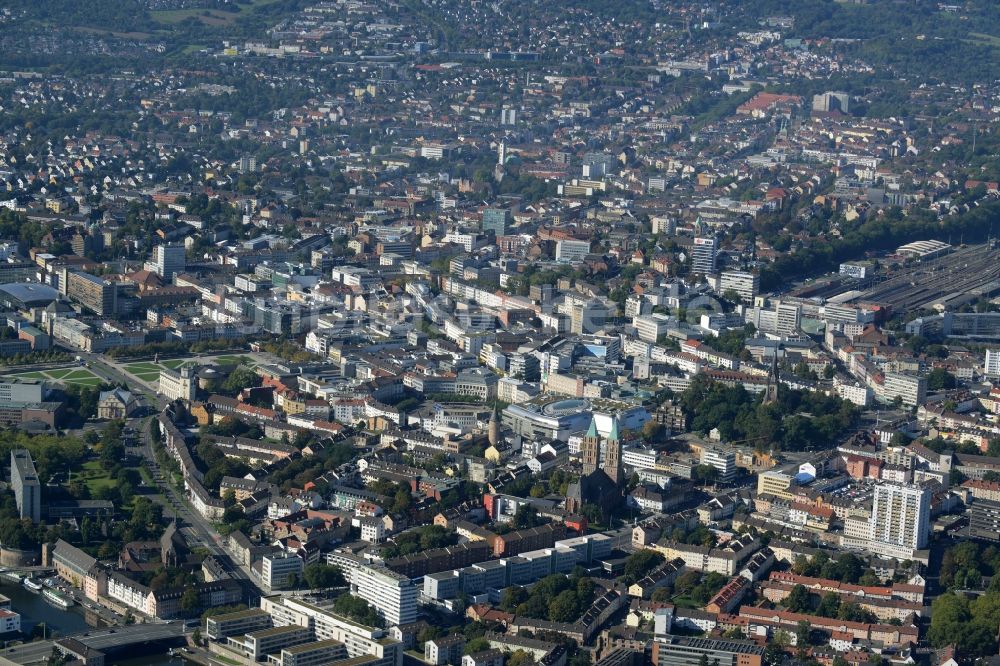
{"points": [[901, 515]]}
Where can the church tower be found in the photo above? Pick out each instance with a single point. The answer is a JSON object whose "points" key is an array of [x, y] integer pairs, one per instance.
{"points": [[613, 453], [590, 449], [771, 392]]}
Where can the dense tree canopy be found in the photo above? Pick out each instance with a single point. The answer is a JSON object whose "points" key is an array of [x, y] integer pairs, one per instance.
{"points": [[798, 421]]}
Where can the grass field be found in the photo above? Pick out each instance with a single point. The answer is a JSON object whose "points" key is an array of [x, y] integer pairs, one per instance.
{"points": [[149, 371], [71, 375], [95, 476], [32, 375], [234, 360]]}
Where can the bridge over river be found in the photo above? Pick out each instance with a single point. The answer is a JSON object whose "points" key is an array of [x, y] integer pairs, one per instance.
{"points": [[106, 640]]}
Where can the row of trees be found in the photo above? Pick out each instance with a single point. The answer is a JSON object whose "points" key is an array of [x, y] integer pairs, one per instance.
{"points": [[41, 356]]}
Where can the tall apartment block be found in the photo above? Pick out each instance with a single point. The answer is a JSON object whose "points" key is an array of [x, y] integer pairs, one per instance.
{"points": [[27, 489]]}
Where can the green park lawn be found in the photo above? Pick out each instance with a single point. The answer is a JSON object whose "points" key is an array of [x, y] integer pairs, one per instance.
{"points": [[31, 375], [234, 360], [94, 476], [72, 375]]}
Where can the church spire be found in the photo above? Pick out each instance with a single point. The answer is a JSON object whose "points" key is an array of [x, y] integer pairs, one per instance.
{"points": [[773, 379]]}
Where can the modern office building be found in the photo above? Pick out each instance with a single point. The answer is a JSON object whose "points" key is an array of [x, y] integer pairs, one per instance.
{"points": [[723, 460], [704, 254], [650, 327], [392, 594], [572, 251], [496, 220], [901, 515], [984, 520], [15, 390], [93, 292], [168, 260], [257, 645], [24, 481], [375, 645], [776, 483], [789, 317], [313, 654], [280, 570]]}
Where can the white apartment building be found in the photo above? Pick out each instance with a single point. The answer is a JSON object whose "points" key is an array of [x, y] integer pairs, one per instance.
{"points": [[636, 457], [651, 327], [10, 621], [129, 592], [372, 530], [721, 459], [855, 392], [360, 641], [279, 569], [901, 515], [393, 595], [992, 365], [572, 251], [747, 285], [912, 390]]}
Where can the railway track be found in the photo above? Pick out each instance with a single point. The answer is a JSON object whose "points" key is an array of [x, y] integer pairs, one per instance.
{"points": [[924, 284]]}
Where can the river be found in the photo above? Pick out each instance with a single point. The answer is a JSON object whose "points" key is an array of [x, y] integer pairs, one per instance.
{"points": [[34, 609], [58, 622]]}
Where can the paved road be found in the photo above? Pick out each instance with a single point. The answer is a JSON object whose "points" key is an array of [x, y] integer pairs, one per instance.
{"points": [[174, 503]]}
